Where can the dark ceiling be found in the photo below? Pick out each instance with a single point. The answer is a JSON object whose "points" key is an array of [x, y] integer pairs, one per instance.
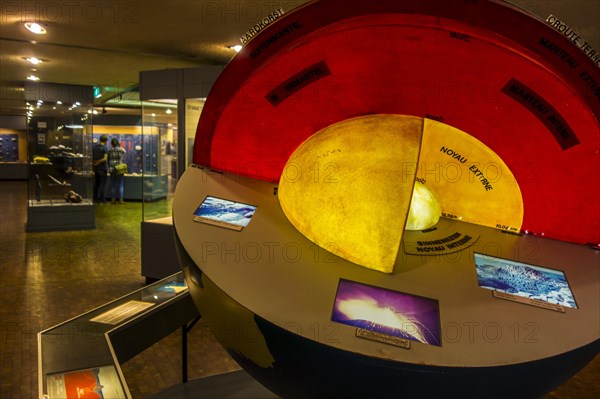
{"points": [[108, 42]]}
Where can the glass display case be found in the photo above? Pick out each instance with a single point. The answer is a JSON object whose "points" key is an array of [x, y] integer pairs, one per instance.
{"points": [[172, 100], [60, 172], [9, 147], [91, 347], [159, 161], [129, 134], [13, 147]]}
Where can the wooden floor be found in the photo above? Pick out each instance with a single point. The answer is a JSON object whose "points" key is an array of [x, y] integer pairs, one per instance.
{"points": [[47, 278]]}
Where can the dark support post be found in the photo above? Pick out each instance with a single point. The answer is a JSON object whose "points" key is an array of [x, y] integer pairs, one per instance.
{"points": [[184, 363]]}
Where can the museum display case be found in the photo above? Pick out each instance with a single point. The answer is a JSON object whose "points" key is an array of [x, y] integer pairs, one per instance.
{"points": [[60, 172], [13, 147], [158, 158], [82, 356], [59, 145], [9, 146], [172, 101], [372, 221]]}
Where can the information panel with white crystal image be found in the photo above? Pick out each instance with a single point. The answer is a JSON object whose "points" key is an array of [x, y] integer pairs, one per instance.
{"points": [[224, 213], [524, 280]]}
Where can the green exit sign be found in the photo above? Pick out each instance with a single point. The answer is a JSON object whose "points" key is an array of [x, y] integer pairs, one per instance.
{"points": [[97, 92]]}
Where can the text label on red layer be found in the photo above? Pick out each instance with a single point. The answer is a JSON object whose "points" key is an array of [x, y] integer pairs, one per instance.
{"points": [[297, 82], [260, 25], [539, 107]]}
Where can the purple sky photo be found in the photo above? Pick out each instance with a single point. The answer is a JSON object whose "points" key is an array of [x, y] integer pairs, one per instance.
{"points": [[374, 303]]}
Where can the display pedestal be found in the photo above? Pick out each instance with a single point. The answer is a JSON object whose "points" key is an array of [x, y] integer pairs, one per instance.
{"points": [[279, 286], [235, 384], [138, 188], [56, 217], [159, 257], [13, 171]]}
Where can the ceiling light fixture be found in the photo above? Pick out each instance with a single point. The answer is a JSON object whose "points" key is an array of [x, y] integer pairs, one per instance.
{"points": [[36, 28], [168, 111], [34, 60], [237, 47], [32, 77], [59, 102]]}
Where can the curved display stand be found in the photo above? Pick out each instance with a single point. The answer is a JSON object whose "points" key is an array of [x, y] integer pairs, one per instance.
{"points": [[496, 79], [269, 293]]}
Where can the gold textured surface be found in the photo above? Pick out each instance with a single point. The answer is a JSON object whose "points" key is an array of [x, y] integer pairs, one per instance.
{"points": [[345, 188], [425, 210], [458, 185]]}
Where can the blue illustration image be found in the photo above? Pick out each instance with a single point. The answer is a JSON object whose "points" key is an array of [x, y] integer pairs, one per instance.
{"points": [[225, 211], [524, 280]]}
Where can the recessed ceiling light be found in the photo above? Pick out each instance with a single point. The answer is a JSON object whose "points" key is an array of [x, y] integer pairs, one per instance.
{"points": [[33, 77], [59, 102], [153, 114], [168, 111], [237, 47], [34, 60], [36, 28]]}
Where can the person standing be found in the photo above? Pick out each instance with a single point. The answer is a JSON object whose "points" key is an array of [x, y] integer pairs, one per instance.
{"points": [[99, 164], [115, 157]]}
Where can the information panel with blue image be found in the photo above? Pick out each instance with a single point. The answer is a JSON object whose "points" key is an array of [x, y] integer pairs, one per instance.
{"points": [[524, 280], [224, 213]]}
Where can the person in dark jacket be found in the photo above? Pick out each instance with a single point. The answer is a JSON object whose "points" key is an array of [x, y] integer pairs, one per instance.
{"points": [[100, 167]]}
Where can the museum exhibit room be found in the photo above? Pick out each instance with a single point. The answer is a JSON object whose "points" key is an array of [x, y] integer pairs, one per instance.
{"points": [[300, 199]]}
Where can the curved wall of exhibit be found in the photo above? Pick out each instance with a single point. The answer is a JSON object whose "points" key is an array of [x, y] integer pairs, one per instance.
{"points": [[341, 124]]}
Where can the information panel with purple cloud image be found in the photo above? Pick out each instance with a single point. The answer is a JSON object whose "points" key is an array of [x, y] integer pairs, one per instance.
{"points": [[388, 312]]}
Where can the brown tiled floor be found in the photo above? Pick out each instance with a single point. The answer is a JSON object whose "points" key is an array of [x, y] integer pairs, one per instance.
{"points": [[46, 278]]}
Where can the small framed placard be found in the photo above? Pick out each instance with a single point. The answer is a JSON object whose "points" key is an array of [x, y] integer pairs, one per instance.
{"points": [[383, 338], [224, 213], [529, 301], [122, 312]]}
